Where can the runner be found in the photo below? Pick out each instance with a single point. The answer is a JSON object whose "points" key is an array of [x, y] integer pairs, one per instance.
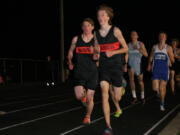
{"points": [[85, 70], [159, 64], [136, 51], [110, 39], [176, 65]]}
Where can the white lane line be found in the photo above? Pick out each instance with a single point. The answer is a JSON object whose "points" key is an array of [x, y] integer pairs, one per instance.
{"points": [[37, 106], [41, 118], [94, 121], [35, 99], [98, 119], [160, 121]]}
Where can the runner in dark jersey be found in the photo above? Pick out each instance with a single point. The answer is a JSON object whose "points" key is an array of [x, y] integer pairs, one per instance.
{"points": [[111, 64], [85, 70], [175, 67]]}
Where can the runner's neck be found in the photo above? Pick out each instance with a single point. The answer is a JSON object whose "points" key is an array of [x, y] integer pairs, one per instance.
{"points": [[134, 42], [87, 36], [105, 27], [162, 44]]}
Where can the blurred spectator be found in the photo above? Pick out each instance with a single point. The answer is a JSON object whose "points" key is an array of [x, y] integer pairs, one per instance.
{"points": [[50, 72]]}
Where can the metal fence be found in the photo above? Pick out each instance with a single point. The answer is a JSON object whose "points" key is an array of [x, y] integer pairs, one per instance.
{"points": [[26, 70]]}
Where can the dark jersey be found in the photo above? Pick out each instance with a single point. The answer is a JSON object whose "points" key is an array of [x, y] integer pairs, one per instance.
{"points": [[83, 55], [109, 42]]}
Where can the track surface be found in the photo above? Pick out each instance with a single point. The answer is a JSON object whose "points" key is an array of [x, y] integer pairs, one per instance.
{"points": [[54, 111]]}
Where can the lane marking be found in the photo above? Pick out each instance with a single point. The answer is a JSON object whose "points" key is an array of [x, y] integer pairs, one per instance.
{"points": [[37, 106], [41, 118], [160, 121], [98, 119]]}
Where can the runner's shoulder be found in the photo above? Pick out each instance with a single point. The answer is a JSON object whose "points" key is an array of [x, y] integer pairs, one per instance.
{"points": [[74, 40]]}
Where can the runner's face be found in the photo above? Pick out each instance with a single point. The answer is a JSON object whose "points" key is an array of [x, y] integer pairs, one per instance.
{"points": [[174, 44], [162, 37], [87, 27], [103, 17], [134, 36]]}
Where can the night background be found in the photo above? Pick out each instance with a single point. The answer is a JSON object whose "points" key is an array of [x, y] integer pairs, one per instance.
{"points": [[37, 94], [34, 26]]}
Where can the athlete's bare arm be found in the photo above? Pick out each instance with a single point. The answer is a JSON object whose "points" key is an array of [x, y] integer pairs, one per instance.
{"points": [[170, 53], [71, 50], [143, 50], [126, 57], [126, 61], [149, 68], [96, 54], [119, 36]]}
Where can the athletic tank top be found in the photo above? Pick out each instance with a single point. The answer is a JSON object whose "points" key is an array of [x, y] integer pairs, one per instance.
{"points": [[175, 54], [161, 61], [135, 57], [109, 42], [83, 56]]}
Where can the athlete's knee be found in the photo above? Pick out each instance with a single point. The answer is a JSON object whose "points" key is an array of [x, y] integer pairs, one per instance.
{"points": [[90, 99], [141, 82], [104, 85], [78, 96], [162, 88], [155, 88]]}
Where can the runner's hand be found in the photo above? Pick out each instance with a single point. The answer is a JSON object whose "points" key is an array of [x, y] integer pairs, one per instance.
{"points": [[109, 54], [91, 49], [71, 66]]}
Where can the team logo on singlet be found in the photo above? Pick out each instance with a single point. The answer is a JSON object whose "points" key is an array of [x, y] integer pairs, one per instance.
{"points": [[160, 57], [109, 47], [84, 50]]}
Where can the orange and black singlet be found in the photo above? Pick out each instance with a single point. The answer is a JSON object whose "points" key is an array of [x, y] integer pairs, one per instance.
{"points": [[109, 42], [84, 56]]}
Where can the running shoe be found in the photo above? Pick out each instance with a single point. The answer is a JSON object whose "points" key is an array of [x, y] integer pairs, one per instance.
{"points": [[118, 113], [134, 101], [143, 101], [162, 108], [86, 121], [123, 91], [108, 131]]}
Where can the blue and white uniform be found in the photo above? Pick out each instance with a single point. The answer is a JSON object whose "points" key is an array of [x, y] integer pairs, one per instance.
{"points": [[135, 57], [161, 64]]}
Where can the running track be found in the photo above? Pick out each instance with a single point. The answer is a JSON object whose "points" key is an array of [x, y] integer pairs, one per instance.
{"points": [[54, 111]]}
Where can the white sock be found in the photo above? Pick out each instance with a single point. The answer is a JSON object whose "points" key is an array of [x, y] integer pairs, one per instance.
{"points": [[134, 93], [142, 94]]}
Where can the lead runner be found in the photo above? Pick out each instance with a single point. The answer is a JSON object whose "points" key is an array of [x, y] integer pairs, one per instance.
{"points": [[111, 63]]}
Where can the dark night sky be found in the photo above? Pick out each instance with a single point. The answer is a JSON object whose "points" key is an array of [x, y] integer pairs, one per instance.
{"points": [[33, 25]]}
